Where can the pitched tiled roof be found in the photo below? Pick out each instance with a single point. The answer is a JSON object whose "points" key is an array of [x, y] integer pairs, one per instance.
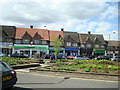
{"points": [[83, 37], [113, 43], [8, 31], [54, 34], [31, 31], [73, 35]]}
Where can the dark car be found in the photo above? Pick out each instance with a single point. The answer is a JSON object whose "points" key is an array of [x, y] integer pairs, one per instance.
{"points": [[47, 56], [19, 55], [92, 57], [103, 57], [9, 77], [60, 56]]}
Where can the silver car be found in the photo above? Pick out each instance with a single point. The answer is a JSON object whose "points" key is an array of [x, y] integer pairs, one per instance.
{"points": [[116, 58]]}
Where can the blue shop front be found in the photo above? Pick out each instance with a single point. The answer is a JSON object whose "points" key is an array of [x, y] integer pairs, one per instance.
{"points": [[72, 51]]}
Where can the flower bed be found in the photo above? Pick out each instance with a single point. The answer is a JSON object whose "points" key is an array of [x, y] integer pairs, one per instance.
{"points": [[17, 61], [96, 66]]}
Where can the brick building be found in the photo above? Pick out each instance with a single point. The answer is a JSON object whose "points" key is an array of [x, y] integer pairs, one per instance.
{"points": [[32, 41], [7, 37], [113, 48], [92, 44]]}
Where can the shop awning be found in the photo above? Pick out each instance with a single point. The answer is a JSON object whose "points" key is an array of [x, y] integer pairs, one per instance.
{"points": [[99, 51], [69, 49]]}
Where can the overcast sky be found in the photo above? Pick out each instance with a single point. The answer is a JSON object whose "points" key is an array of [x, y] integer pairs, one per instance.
{"points": [[97, 17]]}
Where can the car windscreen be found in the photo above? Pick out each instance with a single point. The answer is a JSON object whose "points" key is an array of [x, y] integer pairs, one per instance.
{"points": [[5, 67]]}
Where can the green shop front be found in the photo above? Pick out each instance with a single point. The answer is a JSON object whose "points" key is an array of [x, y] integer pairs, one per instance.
{"points": [[99, 52], [30, 50]]}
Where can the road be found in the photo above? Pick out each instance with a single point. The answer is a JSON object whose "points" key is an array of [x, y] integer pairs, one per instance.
{"points": [[35, 80]]}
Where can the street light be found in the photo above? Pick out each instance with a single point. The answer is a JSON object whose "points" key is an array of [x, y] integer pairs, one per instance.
{"points": [[109, 42]]}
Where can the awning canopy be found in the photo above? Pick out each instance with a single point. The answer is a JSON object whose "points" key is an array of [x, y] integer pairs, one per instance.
{"points": [[99, 51]]}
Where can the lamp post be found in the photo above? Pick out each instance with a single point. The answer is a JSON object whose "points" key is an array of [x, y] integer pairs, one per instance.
{"points": [[109, 42], [31, 49]]}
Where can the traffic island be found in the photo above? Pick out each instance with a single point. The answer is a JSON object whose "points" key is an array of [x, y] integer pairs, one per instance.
{"points": [[103, 69], [25, 65]]}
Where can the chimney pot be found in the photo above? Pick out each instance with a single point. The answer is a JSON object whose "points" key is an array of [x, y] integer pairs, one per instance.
{"points": [[89, 32], [31, 26], [62, 29]]}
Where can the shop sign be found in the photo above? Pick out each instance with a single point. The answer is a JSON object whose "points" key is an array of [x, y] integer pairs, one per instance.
{"points": [[99, 51], [74, 49]]}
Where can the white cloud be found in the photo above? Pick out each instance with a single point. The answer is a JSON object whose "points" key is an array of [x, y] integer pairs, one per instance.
{"points": [[52, 12], [103, 27], [73, 16], [110, 12]]}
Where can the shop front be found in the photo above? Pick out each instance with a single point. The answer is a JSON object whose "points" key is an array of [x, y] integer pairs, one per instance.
{"points": [[99, 52], [30, 50], [6, 48], [71, 51], [86, 51]]}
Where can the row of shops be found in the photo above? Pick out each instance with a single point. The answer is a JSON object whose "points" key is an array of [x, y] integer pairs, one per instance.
{"points": [[31, 50]]}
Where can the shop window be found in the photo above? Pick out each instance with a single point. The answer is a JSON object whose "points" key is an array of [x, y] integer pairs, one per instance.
{"points": [[88, 45], [75, 44], [82, 45], [44, 42], [17, 41], [36, 41], [26, 41], [68, 43], [51, 44]]}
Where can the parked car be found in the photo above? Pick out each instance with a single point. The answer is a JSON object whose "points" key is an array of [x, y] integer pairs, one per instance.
{"points": [[19, 55], [70, 57], [9, 77], [60, 56], [92, 57], [103, 57], [116, 58], [81, 57], [47, 56]]}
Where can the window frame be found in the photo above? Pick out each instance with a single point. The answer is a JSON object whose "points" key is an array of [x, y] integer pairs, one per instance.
{"points": [[44, 42], [36, 42], [26, 42], [68, 43]]}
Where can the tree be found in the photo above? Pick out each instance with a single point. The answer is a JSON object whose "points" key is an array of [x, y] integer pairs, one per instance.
{"points": [[58, 42]]}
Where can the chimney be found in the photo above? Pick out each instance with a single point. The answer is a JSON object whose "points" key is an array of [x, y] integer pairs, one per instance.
{"points": [[62, 29], [89, 32], [31, 26], [45, 27]]}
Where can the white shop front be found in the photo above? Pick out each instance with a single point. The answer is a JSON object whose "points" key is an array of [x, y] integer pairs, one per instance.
{"points": [[30, 50]]}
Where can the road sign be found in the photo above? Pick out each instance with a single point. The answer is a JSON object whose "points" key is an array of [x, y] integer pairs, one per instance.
{"points": [[9, 47]]}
